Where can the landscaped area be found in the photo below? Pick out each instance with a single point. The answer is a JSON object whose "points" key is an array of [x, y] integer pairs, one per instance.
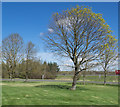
{"points": [[57, 93], [59, 53]]}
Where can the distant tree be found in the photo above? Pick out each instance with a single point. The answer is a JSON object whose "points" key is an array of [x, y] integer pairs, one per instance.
{"points": [[36, 69], [53, 68], [108, 55], [44, 69], [30, 52], [4, 70], [77, 33], [22, 69], [12, 52], [33, 71]]}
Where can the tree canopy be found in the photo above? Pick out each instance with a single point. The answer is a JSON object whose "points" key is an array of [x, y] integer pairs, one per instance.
{"points": [[78, 33]]}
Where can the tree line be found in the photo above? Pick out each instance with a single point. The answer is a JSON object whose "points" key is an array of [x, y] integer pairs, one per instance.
{"points": [[19, 60]]}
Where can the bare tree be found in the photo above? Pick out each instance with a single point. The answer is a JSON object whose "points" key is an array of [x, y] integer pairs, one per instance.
{"points": [[108, 55], [12, 52], [30, 53], [77, 33]]}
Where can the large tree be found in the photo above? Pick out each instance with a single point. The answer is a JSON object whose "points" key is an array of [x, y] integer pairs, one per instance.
{"points": [[12, 52], [77, 33]]}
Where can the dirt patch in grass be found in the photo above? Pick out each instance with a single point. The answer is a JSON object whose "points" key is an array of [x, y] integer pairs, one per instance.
{"points": [[20, 84], [2, 84]]}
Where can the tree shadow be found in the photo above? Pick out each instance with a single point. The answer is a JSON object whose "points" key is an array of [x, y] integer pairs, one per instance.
{"points": [[100, 84], [115, 85], [66, 87]]}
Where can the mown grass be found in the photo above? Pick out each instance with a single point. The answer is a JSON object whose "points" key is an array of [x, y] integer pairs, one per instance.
{"points": [[90, 78], [57, 93]]}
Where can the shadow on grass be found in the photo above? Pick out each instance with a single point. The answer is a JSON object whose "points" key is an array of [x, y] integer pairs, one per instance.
{"points": [[66, 87], [20, 81], [9, 81], [96, 84], [108, 85], [30, 82]]}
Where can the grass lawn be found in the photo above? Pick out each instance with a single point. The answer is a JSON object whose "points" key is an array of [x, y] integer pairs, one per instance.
{"points": [[90, 78], [57, 93]]}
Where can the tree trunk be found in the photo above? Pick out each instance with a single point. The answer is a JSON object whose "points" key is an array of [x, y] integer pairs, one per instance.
{"points": [[9, 73], [13, 76], [74, 83], [10, 76], [43, 76], [26, 77], [75, 79], [105, 75], [84, 79]]}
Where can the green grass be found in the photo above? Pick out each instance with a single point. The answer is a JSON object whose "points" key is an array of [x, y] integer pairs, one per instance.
{"points": [[90, 78], [56, 93]]}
